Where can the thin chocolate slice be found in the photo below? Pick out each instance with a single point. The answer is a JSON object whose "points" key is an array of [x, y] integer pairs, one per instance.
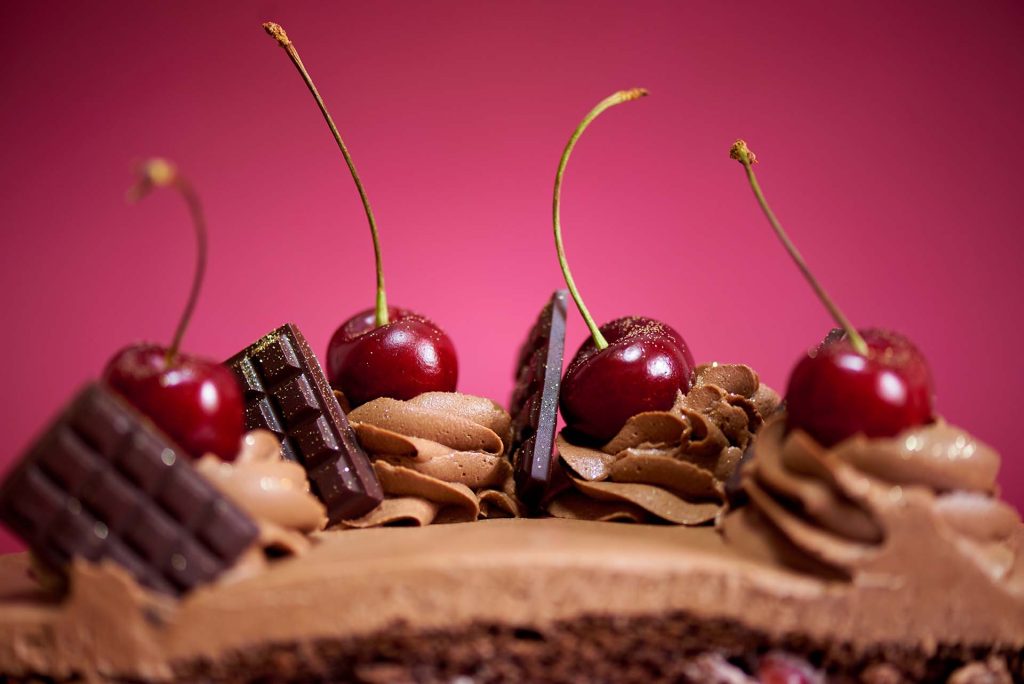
{"points": [[287, 393], [104, 483], [534, 404]]}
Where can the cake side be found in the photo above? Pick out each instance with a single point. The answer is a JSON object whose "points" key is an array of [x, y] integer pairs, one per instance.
{"points": [[357, 588]]}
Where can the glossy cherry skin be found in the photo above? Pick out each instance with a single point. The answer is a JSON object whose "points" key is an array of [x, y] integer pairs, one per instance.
{"points": [[645, 364], [197, 403], [835, 392], [407, 357]]}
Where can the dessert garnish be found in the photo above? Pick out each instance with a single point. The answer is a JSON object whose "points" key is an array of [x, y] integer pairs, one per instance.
{"points": [[873, 382], [441, 457], [287, 394], [104, 484], [629, 365], [534, 404], [197, 402], [667, 466], [921, 504], [861, 482], [384, 351]]}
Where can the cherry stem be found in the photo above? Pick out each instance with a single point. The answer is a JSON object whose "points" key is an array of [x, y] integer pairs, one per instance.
{"points": [[158, 173], [741, 153], [610, 101], [278, 33]]}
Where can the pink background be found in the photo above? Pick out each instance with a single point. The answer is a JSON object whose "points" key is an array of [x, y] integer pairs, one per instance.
{"points": [[889, 135]]}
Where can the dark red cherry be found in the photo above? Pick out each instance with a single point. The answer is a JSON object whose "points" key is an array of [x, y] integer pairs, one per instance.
{"points": [[834, 392], [384, 351], [627, 366], [873, 382], [198, 403], [407, 356], [645, 364]]}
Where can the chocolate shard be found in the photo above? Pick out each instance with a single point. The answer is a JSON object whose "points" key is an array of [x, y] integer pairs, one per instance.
{"points": [[287, 393], [104, 483], [534, 405]]}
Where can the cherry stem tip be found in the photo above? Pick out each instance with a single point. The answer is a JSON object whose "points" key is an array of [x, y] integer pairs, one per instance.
{"points": [[152, 173], [277, 32]]}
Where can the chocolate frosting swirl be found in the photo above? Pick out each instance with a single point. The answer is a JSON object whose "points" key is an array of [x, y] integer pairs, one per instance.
{"points": [[878, 507], [275, 492], [667, 466], [440, 458]]}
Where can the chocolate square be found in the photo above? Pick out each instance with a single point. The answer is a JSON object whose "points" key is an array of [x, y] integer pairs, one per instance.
{"points": [[113, 499], [287, 393], [104, 483], [534, 404]]}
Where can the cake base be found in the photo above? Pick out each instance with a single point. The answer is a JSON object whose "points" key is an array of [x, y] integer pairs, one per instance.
{"points": [[666, 648], [503, 600]]}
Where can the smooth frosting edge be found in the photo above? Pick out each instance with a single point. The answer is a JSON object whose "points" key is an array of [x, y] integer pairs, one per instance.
{"points": [[512, 562]]}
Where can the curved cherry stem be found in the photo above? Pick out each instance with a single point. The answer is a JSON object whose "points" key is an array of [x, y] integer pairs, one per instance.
{"points": [[157, 173], [741, 153], [610, 101], [278, 33]]}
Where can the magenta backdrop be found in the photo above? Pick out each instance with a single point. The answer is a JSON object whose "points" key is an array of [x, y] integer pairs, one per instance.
{"points": [[888, 135]]}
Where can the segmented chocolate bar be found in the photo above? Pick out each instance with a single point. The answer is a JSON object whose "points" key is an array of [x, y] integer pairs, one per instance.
{"points": [[104, 483], [287, 393], [534, 405]]}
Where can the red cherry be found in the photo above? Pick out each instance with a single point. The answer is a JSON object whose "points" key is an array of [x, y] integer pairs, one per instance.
{"points": [[644, 365], [874, 382], [405, 357], [835, 392], [198, 403], [629, 365], [384, 351], [782, 668]]}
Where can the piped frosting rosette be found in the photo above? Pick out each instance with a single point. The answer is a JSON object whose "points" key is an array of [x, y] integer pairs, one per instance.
{"points": [[274, 491], [440, 458], [924, 500], [667, 466]]}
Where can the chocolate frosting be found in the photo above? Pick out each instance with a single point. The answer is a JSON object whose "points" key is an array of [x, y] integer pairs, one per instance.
{"points": [[523, 573], [669, 466], [440, 457], [880, 509], [275, 492]]}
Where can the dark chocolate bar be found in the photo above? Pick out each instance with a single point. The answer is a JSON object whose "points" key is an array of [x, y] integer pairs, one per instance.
{"points": [[287, 393], [104, 483], [534, 405]]}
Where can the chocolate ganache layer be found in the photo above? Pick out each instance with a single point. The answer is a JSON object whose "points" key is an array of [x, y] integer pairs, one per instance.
{"points": [[667, 466], [440, 458]]}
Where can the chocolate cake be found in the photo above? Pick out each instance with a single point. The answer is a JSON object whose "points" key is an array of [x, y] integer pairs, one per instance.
{"points": [[505, 600], [876, 560]]}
